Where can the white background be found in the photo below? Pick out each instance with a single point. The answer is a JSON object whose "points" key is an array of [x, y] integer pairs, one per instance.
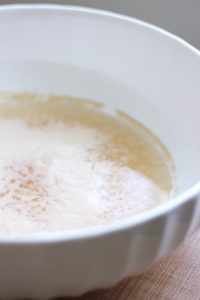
{"points": [[181, 17]]}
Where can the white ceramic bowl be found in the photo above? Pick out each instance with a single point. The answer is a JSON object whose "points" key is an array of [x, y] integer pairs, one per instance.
{"points": [[129, 65]]}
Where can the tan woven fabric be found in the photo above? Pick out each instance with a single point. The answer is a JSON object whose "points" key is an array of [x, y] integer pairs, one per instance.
{"points": [[176, 277]]}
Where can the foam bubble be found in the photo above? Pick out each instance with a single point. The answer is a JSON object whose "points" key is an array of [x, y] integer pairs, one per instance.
{"points": [[55, 177]]}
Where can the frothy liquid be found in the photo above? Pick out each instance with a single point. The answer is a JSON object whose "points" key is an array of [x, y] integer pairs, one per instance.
{"points": [[64, 165]]}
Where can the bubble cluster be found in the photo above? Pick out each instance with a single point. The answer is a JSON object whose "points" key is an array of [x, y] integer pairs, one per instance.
{"points": [[61, 175]]}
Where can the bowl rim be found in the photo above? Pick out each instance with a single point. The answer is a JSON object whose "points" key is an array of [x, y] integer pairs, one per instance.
{"points": [[123, 224]]}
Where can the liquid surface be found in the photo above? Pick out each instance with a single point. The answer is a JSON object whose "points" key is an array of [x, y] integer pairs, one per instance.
{"points": [[65, 164]]}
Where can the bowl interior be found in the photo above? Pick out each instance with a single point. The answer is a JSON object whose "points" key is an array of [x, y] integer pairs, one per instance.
{"points": [[124, 63]]}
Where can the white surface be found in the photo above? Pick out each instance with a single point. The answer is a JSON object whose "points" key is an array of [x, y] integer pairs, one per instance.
{"points": [[177, 16], [127, 65], [76, 188]]}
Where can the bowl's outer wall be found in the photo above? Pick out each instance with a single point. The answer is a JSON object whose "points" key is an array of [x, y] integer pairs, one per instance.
{"points": [[63, 268]]}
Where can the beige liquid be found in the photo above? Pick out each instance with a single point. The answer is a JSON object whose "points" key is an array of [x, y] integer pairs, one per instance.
{"points": [[65, 164]]}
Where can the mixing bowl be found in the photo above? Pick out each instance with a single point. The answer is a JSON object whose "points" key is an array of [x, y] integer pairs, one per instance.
{"points": [[130, 66]]}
